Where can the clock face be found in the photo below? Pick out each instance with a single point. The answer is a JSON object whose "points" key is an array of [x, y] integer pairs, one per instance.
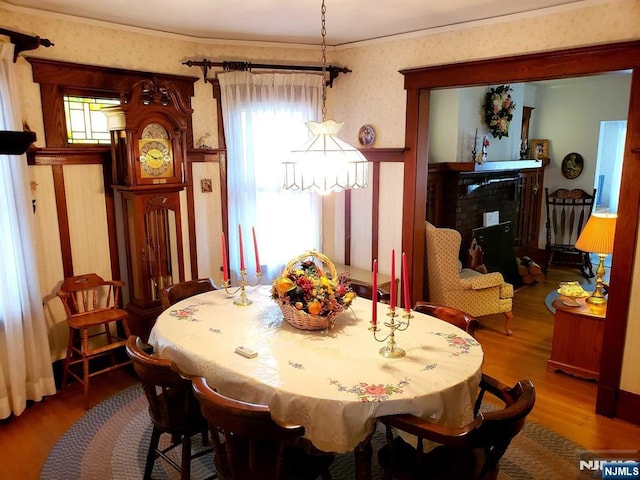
{"points": [[155, 158]]}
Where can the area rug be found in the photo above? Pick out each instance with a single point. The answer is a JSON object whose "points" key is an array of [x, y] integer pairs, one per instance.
{"points": [[110, 443], [548, 300]]}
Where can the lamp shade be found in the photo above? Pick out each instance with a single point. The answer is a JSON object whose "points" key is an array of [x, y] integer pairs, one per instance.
{"points": [[325, 163], [598, 234]]}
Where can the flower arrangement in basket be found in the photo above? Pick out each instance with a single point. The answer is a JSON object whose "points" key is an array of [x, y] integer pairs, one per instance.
{"points": [[310, 297]]}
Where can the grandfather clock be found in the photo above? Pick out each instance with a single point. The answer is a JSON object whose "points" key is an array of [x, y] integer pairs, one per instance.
{"points": [[148, 150]]}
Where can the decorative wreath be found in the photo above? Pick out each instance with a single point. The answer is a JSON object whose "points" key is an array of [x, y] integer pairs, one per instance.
{"points": [[498, 110]]}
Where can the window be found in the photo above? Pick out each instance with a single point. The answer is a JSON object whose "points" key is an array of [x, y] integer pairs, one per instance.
{"points": [[86, 120]]}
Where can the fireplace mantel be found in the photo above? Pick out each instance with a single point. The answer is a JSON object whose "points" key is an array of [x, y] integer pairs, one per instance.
{"points": [[458, 193]]}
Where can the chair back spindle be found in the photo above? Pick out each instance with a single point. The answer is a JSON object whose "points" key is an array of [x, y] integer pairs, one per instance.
{"points": [[567, 214]]}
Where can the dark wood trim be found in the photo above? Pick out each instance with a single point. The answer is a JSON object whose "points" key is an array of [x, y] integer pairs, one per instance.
{"points": [[624, 249], [628, 407], [542, 66], [70, 156], [383, 154], [112, 229], [57, 78], [57, 158], [375, 213], [194, 156], [63, 221], [375, 156], [522, 68], [217, 96]]}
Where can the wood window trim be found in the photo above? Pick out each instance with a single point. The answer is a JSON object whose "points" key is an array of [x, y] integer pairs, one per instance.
{"points": [[59, 78]]}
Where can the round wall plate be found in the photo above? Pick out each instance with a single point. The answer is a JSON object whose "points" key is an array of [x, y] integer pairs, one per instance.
{"points": [[366, 135], [572, 165]]}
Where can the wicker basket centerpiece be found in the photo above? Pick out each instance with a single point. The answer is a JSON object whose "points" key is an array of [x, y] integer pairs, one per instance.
{"points": [[310, 292]]}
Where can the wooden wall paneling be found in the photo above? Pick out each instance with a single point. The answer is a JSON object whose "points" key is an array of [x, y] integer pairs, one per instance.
{"points": [[545, 66], [193, 184], [63, 220], [57, 159], [376, 156]]}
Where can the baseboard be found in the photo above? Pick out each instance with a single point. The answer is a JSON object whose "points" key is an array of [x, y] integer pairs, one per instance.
{"points": [[628, 407]]}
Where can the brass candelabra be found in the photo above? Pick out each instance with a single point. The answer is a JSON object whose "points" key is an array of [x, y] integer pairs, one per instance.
{"points": [[391, 349], [243, 300]]}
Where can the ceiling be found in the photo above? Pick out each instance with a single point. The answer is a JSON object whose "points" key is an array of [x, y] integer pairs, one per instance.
{"points": [[288, 21]]}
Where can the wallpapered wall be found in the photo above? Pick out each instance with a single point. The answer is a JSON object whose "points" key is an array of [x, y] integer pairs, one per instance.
{"points": [[373, 93]]}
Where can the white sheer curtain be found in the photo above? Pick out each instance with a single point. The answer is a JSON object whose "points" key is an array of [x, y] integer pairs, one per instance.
{"points": [[264, 119], [26, 372]]}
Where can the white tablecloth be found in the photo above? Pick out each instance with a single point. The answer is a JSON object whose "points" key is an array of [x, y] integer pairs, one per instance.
{"points": [[334, 383]]}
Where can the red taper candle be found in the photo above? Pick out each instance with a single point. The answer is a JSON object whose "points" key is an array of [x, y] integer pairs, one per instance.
{"points": [[405, 283], [225, 265], [255, 249], [241, 248], [392, 302]]}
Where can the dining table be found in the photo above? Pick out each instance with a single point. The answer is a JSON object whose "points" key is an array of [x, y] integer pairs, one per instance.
{"points": [[332, 381]]}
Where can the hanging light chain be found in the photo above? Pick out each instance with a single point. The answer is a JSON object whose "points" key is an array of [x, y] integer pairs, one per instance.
{"points": [[323, 46]]}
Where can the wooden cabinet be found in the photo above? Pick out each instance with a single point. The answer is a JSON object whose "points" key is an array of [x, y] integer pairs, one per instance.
{"points": [[530, 208], [577, 339]]}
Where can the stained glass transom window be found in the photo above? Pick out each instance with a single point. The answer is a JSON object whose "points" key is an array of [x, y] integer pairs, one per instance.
{"points": [[86, 120]]}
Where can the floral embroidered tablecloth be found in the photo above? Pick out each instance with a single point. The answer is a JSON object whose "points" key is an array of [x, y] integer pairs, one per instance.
{"points": [[334, 383]]}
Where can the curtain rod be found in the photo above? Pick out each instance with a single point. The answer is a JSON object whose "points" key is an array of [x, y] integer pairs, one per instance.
{"points": [[333, 70], [24, 42]]}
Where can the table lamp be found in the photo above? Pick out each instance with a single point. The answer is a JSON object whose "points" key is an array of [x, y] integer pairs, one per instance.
{"points": [[597, 237]]}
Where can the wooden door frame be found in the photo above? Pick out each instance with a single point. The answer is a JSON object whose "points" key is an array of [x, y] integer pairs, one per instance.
{"points": [[566, 63]]}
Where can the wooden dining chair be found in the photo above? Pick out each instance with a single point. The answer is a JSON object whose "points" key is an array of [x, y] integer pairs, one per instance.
{"points": [[366, 291], [248, 443], [450, 315], [93, 316], [179, 291], [173, 409], [470, 452]]}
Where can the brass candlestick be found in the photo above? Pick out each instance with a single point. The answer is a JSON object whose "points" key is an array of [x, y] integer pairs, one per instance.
{"points": [[391, 350], [243, 301]]}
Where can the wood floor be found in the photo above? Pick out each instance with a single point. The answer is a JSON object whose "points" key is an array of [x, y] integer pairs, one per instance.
{"points": [[564, 404]]}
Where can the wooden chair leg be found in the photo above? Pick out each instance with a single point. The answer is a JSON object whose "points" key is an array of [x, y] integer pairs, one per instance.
{"points": [[151, 454], [85, 366], [67, 361], [185, 466], [507, 322]]}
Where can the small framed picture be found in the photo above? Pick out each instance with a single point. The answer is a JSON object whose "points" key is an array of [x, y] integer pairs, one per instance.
{"points": [[206, 186], [539, 148]]}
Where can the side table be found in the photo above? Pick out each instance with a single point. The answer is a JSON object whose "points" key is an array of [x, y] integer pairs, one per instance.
{"points": [[577, 338]]}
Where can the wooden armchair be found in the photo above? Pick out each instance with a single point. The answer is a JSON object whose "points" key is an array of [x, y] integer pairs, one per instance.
{"points": [[366, 291], [567, 214], [450, 315], [93, 316], [173, 409], [450, 285], [469, 452], [179, 291], [248, 444]]}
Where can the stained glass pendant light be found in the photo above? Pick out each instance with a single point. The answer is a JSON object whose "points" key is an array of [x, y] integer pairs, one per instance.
{"points": [[325, 163]]}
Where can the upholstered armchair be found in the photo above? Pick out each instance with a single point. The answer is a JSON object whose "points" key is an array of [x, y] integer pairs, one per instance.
{"points": [[451, 285]]}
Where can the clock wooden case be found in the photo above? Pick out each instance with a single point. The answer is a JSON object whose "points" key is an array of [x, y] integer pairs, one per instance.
{"points": [[151, 147], [148, 152]]}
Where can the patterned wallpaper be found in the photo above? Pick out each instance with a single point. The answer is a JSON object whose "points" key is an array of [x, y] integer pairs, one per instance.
{"points": [[373, 93]]}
